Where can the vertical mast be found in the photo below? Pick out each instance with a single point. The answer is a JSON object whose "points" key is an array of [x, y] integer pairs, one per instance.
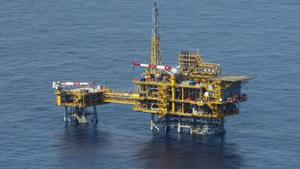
{"points": [[155, 41]]}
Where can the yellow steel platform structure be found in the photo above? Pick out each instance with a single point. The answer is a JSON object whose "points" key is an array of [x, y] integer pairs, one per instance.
{"points": [[192, 97]]}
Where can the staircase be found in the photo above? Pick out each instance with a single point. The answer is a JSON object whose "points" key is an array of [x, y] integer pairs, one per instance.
{"points": [[163, 100]]}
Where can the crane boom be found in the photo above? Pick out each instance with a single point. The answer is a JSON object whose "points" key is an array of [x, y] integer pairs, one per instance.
{"points": [[168, 69]]}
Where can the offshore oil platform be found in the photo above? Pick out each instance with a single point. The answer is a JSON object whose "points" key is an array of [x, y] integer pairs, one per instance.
{"points": [[192, 97]]}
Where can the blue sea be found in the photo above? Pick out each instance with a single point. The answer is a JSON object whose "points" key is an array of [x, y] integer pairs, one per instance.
{"points": [[96, 40]]}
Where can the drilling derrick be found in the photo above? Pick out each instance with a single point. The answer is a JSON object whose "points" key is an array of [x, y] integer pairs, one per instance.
{"points": [[155, 40], [193, 97]]}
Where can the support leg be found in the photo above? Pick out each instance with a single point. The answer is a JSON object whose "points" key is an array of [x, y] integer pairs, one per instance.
{"points": [[95, 115], [191, 130], [152, 122], [72, 115], [179, 125], [167, 127], [84, 115], [66, 115]]}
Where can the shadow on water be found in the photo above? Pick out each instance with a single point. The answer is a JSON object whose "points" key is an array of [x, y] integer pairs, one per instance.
{"points": [[80, 146], [89, 147], [179, 151]]}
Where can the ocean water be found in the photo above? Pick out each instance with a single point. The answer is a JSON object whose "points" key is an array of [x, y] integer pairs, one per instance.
{"points": [[96, 40]]}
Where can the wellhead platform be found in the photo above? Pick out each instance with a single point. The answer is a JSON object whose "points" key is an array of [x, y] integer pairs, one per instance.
{"points": [[191, 97]]}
